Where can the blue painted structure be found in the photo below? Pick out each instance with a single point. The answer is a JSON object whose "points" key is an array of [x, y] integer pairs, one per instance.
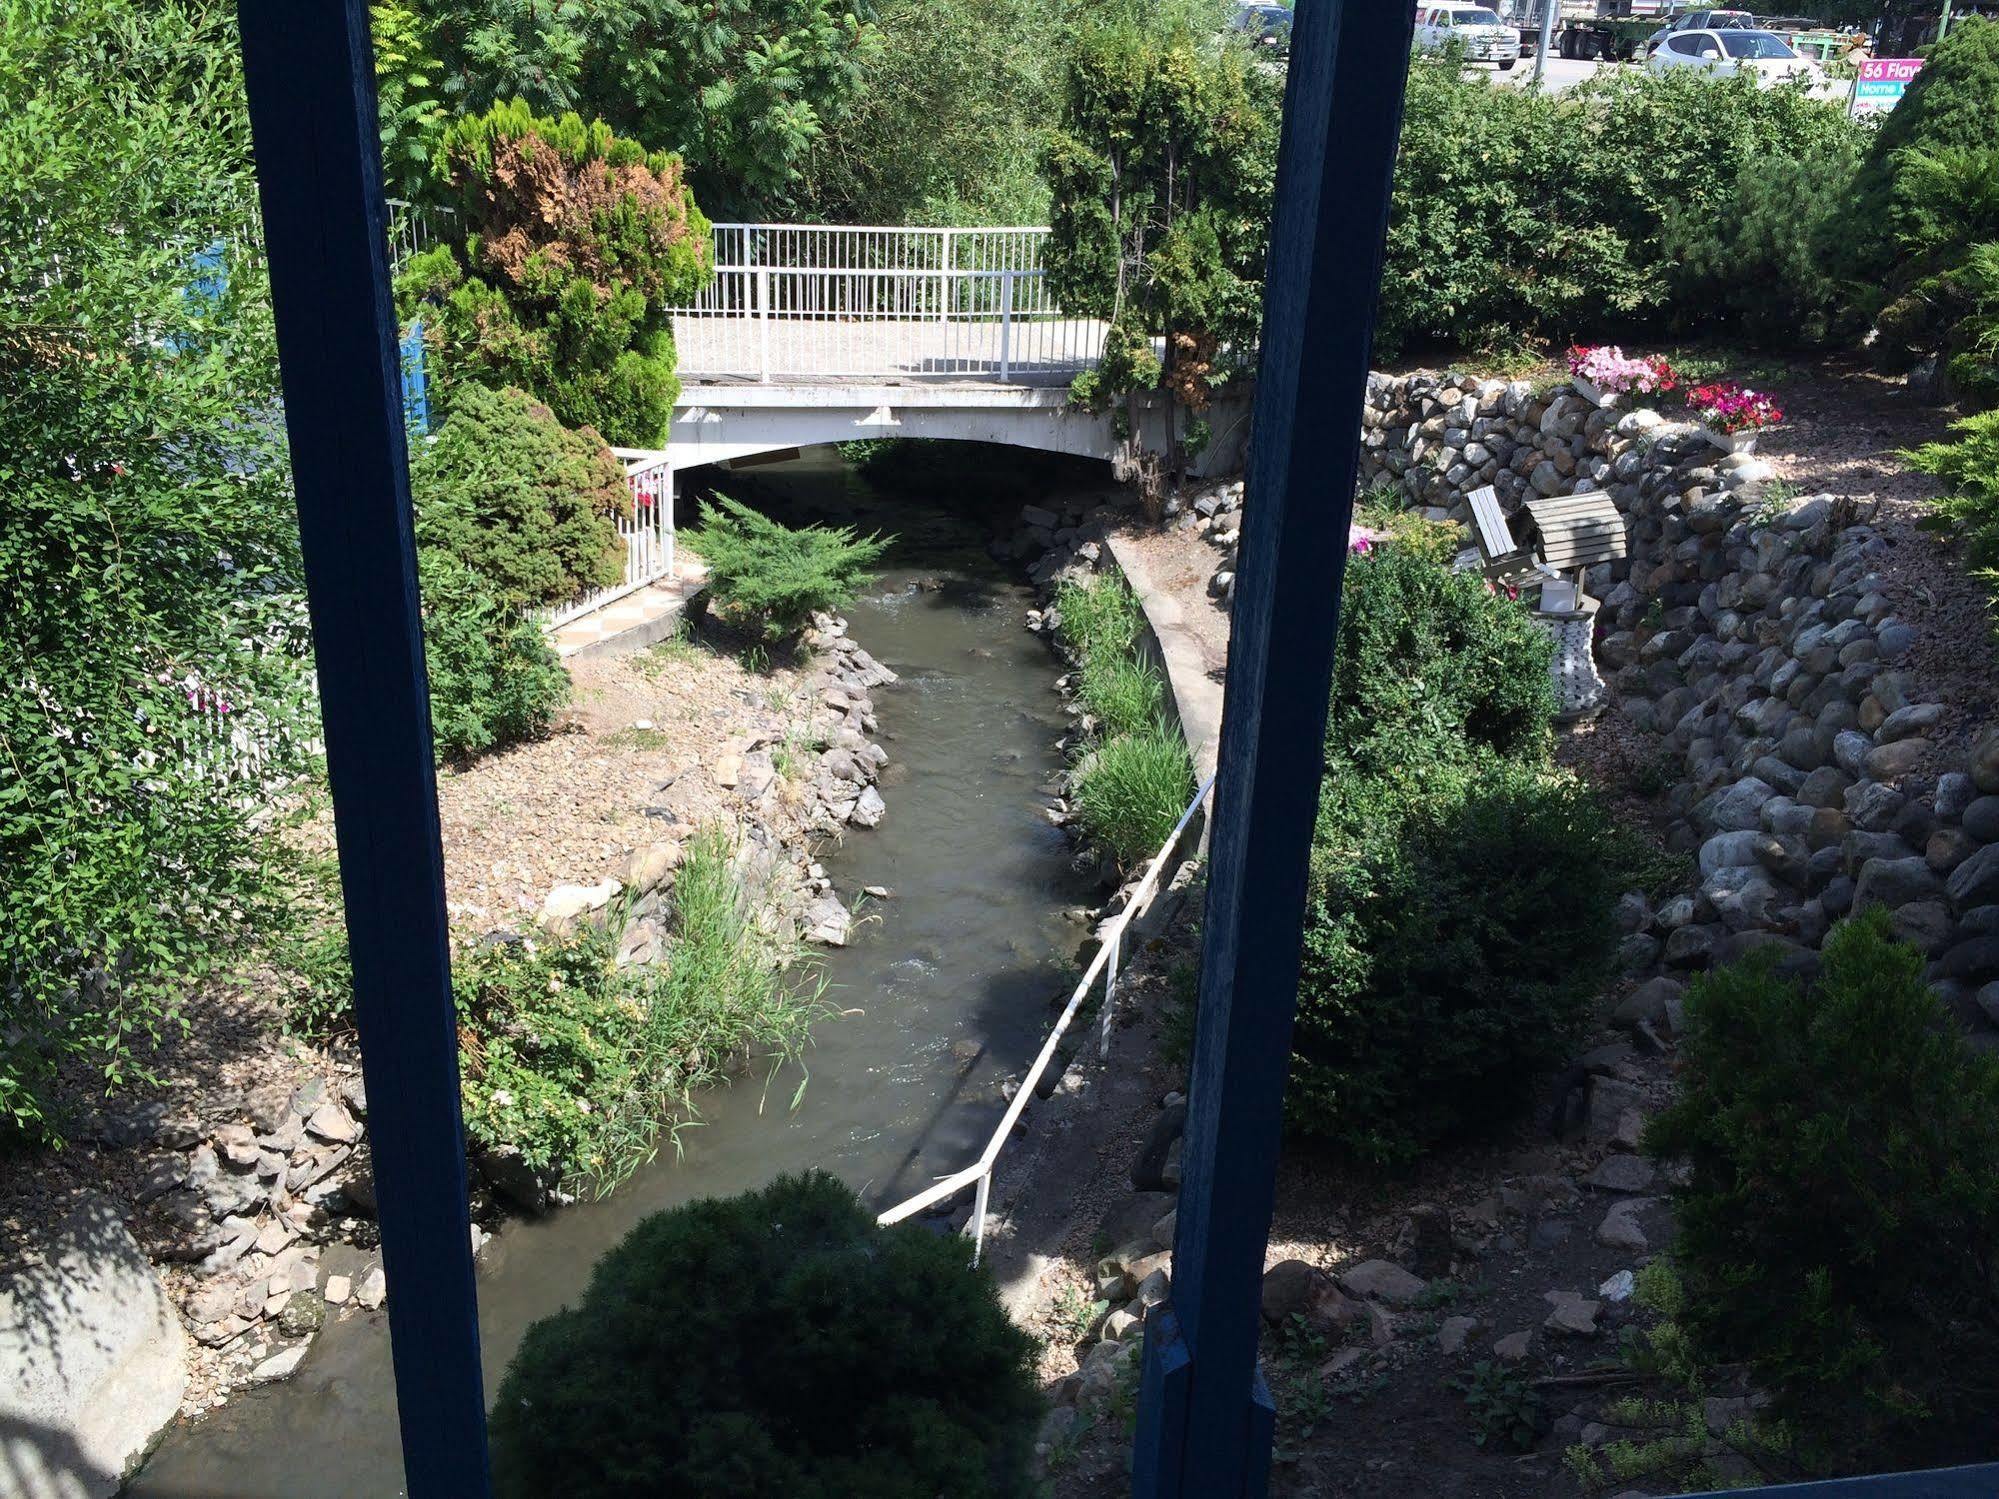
{"points": [[311, 82], [1206, 1421], [416, 387]]}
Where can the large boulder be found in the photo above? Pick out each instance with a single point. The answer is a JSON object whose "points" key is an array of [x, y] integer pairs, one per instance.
{"points": [[92, 1361]]}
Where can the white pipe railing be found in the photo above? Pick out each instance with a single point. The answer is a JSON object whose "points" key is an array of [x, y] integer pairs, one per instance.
{"points": [[646, 527], [1110, 951], [846, 301]]}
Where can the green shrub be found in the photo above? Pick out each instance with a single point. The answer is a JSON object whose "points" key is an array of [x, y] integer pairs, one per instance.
{"points": [[1430, 662], [1452, 951], [1123, 693], [1758, 258], [1839, 1228], [1968, 466], [527, 504], [773, 578], [152, 634], [580, 1063], [775, 1343], [1128, 792], [577, 242], [494, 679], [1953, 105]]}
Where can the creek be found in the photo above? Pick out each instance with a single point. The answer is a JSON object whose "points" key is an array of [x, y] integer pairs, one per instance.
{"points": [[944, 993]]}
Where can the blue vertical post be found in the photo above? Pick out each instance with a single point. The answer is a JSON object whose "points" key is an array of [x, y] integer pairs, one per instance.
{"points": [[310, 74], [1205, 1422]]}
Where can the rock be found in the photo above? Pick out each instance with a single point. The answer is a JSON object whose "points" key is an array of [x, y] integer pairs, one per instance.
{"points": [[1453, 1333], [869, 808], [646, 868], [1606, 1101], [729, 768], [1294, 1288], [373, 1289], [1890, 762], [1573, 1315], [1975, 882], [1620, 1228], [1740, 807], [1981, 819], [1973, 960], [1056, 1428], [278, 1366], [1129, 1228], [1148, 1171], [1121, 1324], [566, 903], [1906, 723], [1955, 792], [1893, 882], [92, 1359], [1381, 1280], [331, 1122], [1647, 1003], [1988, 1001], [1622, 1173], [1984, 760], [338, 1289], [1513, 1347], [828, 922]]}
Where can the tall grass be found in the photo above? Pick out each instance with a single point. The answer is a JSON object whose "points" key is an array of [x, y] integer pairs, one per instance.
{"points": [[1134, 776], [1100, 616], [1123, 693], [1130, 791], [585, 1066]]}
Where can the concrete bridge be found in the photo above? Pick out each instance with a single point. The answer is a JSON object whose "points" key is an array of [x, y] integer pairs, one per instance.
{"points": [[814, 334]]}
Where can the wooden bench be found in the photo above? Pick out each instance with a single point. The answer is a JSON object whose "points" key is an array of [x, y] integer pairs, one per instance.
{"points": [[1506, 562]]}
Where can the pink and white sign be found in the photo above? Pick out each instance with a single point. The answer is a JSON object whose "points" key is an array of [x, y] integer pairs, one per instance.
{"points": [[1882, 82]]}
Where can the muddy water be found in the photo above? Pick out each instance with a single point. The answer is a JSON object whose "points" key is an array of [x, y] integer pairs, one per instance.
{"points": [[946, 988]]}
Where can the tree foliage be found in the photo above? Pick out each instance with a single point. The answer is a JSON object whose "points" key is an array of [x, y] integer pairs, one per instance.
{"points": [[410, 97], [774, 1343], [152, 638], [494, 679], [947, 124], [1161, 172], [741, 90], [577, 242]]}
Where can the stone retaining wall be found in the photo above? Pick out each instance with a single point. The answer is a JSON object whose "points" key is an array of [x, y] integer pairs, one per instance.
{"points": [[1752, 633]]}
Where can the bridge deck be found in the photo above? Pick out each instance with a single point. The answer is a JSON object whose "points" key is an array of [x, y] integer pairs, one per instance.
{"points": [[1018, 351]]}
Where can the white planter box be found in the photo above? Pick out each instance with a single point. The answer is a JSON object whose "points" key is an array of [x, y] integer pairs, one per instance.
{"points": [[1734, 442], [1589, 389]]}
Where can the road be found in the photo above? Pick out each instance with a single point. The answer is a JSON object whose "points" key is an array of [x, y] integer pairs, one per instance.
{"points": [[1562, 73]]}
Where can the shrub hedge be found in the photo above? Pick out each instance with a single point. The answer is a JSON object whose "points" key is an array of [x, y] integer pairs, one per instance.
{"points": [[1458, 918], [494, 678], [577, 242], [1839, 1228], [775, 1343], [527, 504]]}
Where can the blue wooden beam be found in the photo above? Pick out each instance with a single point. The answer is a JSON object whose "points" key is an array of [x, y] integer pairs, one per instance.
{"points": [[310, 72], [1205, 1423]]}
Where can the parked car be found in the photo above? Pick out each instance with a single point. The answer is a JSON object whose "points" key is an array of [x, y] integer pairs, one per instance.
{"points": [[1486, 38], [1700, 20], [1764, 54], [1267, 25]]}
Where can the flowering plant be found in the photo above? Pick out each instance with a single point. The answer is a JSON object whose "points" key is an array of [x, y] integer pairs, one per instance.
{"points": [[1613, 372], [1361, 540], [1727, 407]]}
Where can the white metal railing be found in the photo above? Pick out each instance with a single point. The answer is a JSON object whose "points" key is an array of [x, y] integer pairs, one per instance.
{"points": [[647, 529], [845, 301], [1110, 952]]}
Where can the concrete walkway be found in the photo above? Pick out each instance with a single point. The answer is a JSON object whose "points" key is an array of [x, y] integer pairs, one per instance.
{"points": [[633, 622], [1197, 697]]}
